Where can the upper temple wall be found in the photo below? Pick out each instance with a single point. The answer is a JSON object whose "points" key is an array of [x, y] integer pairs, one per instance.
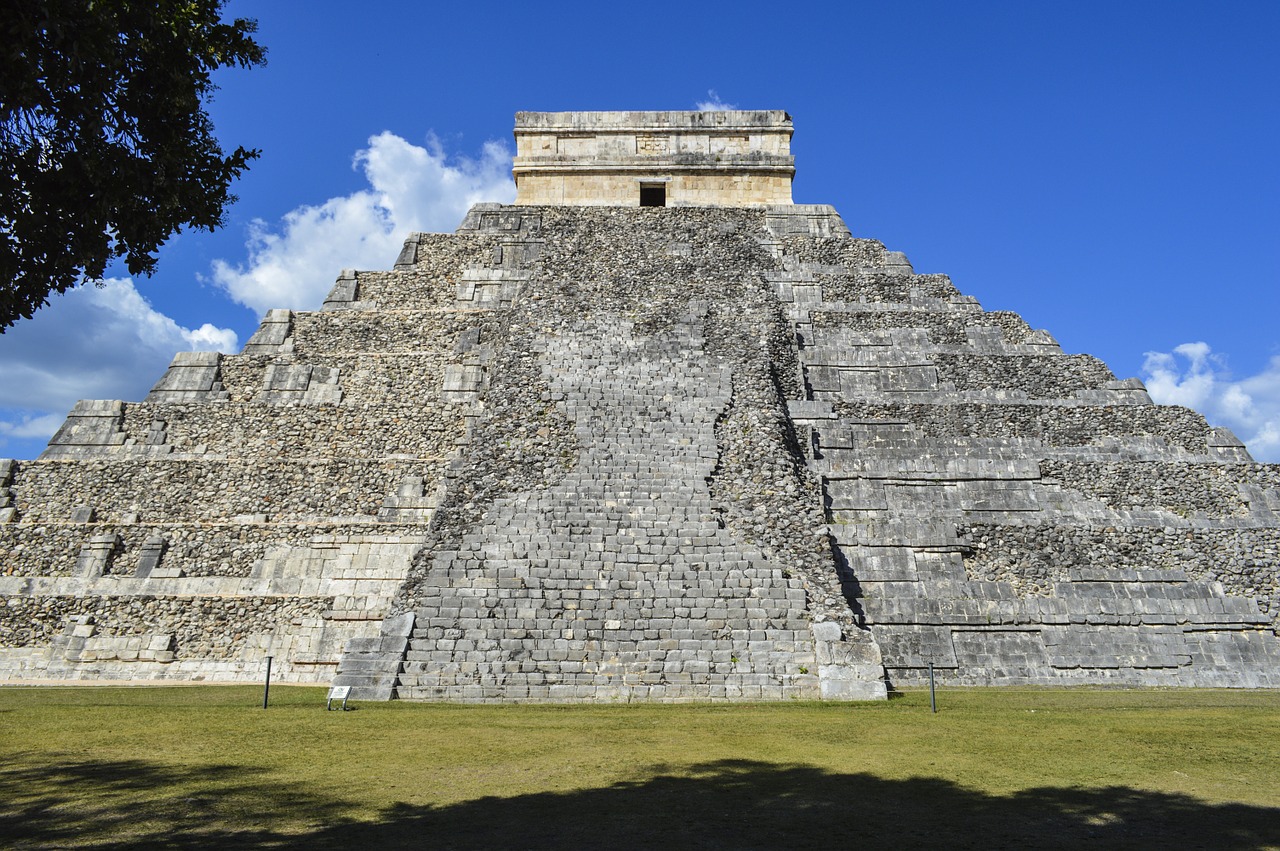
{"points": [[737, 158]]}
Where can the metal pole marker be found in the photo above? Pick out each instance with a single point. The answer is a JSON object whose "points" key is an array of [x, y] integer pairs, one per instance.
{"points": [[266, 688]]}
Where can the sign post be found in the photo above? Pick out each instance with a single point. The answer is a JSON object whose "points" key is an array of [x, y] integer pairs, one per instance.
{"points": [[266, 688]]}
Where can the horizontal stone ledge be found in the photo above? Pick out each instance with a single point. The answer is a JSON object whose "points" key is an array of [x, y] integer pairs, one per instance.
{"points": [[889, 353], [995, 622], [124, 657], [942, 474], [448, 310], [352, 615], [658, 166], [356, 667], [220, 459], [442, 354], [1010, 629], [320, 351], [200, 587], [366, 521], [692, 122], [1230, 621], [335, 306], [1092, 664], [810, 410]]}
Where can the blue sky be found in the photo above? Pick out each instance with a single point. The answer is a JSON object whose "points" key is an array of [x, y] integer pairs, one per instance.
{"points": [[1108, 170]]}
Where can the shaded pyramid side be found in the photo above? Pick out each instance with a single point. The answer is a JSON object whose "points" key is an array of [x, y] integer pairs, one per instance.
{"points": [[1013, 514]]}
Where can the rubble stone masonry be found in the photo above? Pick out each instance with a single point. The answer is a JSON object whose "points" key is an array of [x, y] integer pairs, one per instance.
{"points": [[613, 452]]}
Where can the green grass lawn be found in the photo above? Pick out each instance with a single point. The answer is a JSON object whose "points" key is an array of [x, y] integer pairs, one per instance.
{"points": [[207, 767]]}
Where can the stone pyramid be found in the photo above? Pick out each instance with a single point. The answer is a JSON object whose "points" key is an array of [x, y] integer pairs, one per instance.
{"points": [[652, 433]]}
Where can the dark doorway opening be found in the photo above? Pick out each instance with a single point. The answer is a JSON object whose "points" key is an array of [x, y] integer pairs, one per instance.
{"points": [[653, 196]]}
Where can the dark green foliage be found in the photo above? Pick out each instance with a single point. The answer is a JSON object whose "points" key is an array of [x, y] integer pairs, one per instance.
{"points": [[105, 148]]}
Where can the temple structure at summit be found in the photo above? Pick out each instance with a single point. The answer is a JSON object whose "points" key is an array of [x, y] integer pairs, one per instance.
{"points": [[653, 432], [654, 159]]}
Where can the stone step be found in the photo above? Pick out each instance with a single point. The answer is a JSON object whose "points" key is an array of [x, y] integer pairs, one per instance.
{"points": [[371, 666]]}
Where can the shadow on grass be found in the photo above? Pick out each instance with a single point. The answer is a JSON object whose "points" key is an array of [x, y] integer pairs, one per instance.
{"points": [[727, 804]]}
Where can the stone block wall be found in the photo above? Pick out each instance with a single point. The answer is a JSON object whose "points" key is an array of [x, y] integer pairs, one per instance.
{"points": [[659, 536], [1011, 514], [733, 158], [263, 503], [430, 429], [613, 453], [208, 490]]}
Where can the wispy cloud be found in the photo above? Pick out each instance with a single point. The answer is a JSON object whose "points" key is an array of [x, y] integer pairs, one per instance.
{"points": [[1195, 376], [714, 104], [411, 188], [26, 426], [102, 342]]}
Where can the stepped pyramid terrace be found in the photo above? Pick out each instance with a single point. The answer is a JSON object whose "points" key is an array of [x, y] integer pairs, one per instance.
{"points": [[652, 432]]}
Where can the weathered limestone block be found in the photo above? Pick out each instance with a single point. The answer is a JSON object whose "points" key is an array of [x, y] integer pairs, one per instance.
{"points": [[300, 384], [849, 668], [488, 287], [83, 514], [462, 382], [1223, 444], [94, 428], [191, 377], [343, 294], [95, 556], [411, 503], [92, 423], [371, 666], [149, 560], [8, 513], [815, 220], [408, 256], [501, 220], [148, 647], [273, 335]]}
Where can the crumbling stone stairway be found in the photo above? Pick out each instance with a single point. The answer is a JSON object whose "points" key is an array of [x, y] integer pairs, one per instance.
{"points": [[619, 582], [617, 579], [963, 457]]}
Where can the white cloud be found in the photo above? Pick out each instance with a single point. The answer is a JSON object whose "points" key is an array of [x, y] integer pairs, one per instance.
{"points": [[102, 342], [714, 104], [1195, 376], [412, 189], [28, 426]]}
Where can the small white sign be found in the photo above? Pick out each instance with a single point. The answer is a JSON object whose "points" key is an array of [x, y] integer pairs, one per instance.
{"points": [[337, 693]]}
